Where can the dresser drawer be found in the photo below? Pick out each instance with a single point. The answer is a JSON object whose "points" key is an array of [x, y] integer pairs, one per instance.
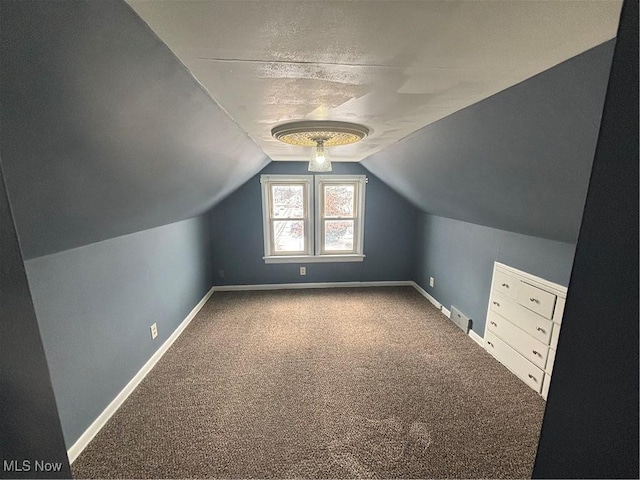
{"points": [[532, 323], [523, 368], [505, 283], [536, 299], [529, 347]]}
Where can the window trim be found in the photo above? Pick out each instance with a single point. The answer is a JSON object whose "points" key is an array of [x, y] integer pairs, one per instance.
{"points": [[359, 181], [313, 196], [315, 259], [267, 231]]}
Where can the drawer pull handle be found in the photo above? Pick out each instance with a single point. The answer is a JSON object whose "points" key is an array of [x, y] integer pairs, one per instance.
{"points": [[494, 324], [496, 304], [539, 329], [535, 352], [505, 285], [534, 300], [532, 378], [490, 343]]}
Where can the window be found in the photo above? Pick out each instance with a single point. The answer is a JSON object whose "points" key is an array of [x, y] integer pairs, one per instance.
{"points": [[307, 221], [286, 203], [339, 214]]}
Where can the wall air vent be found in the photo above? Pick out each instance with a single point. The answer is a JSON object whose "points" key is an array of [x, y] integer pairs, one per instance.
{"points": [[460, 319]]}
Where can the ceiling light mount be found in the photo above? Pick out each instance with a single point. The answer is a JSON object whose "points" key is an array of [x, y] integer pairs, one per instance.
{"points": [[320, 135], [308, 133]]}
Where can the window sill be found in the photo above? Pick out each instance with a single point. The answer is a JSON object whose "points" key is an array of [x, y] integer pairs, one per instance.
{"points": [[315, 258]]}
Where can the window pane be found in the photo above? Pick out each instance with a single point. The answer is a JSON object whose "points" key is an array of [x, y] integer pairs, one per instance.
{"points": [[338, 235], [339, 200], [287, 201], [289, 236]]}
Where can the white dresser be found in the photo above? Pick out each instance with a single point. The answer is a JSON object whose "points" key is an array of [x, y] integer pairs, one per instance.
{"points": [[523, 324]]}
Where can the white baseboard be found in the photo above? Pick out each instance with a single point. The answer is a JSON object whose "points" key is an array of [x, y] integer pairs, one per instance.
{"points": [[77, 448], [294, 286], [435, 303], [476, 338]]}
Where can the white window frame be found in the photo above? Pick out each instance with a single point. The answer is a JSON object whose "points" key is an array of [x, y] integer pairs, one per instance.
{"points": [[358, 182], [313, 221], [267, 181]]}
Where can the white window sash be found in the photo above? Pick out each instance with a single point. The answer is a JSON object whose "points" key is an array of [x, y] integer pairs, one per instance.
{"points": [[314, 226], [359, 182], [267, 181]]}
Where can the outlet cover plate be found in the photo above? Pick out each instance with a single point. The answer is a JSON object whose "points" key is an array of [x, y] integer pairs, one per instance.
{"points": [[154, 331]]}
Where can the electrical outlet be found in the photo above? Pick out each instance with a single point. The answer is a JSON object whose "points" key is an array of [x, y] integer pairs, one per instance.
{"points": [[221, 273], [303, 270], [154, 331], [431, 281]]}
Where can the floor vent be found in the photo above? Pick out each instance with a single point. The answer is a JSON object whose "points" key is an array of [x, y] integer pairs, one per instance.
{"points": [[460, 319]]}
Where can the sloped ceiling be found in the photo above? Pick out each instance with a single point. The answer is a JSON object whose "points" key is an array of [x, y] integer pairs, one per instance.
{"points": [[483, 111], [394, 66], [104, 131], [519, 161]]}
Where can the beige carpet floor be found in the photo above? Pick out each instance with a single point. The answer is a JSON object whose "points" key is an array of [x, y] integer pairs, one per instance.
{"points": [[335, 383]]}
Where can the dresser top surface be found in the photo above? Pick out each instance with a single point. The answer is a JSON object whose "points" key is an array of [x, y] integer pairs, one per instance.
{"points": [[552, 287]]}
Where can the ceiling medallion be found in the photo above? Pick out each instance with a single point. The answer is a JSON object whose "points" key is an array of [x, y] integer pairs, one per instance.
{"points": [[319, 134]]}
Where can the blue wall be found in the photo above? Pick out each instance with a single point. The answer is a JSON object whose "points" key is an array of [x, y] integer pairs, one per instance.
{"points": [[519, 160], [237, 240], [104, 131], [590, 426], [460, 256], [29, 423], [95, 305]]}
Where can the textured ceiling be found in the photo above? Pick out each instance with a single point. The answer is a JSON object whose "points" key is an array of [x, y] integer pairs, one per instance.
{"points": [[394, 66]]}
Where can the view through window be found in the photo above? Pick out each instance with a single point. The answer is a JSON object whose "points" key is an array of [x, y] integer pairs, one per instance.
{"points": [[307, 218]]}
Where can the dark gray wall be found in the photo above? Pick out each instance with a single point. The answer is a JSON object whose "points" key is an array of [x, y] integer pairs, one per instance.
{"points": [[29, 424], [460, 257], [104, 132], [590, 426], [95, 305], [518, 161], [237, 240]]}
